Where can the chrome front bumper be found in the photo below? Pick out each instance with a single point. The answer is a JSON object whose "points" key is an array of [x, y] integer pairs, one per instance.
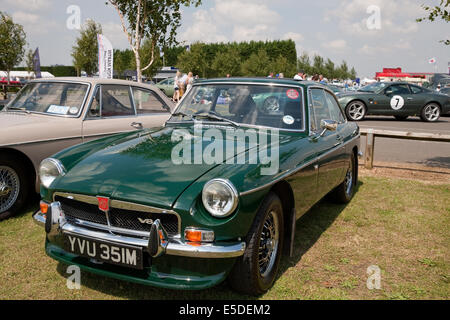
{"points": [[159, 244]]}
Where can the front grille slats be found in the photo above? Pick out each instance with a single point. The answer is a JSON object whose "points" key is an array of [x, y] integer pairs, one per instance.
{"points": [[75, 210]]}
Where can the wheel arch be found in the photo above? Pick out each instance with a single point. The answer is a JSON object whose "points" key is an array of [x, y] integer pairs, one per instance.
{"points": [[284, 191], [25, 160]]}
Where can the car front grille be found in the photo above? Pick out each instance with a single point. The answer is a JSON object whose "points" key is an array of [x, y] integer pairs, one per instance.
{"points": [[77, 211]]}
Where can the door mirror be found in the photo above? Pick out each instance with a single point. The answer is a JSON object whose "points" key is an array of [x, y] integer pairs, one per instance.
{"points": [[328, 125]]}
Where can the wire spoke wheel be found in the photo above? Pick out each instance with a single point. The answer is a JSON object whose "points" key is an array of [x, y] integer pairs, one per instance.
{"points": [[268, 245], [9, 188]]}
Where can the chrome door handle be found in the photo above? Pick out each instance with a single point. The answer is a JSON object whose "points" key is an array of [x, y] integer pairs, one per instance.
{"points": [[137, 125]]}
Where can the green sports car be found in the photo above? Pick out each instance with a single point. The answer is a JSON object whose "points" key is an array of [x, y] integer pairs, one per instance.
{"points": [[398, 99], [214, 194]]}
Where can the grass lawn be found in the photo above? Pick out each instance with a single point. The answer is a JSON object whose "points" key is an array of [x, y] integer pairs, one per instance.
{"points": [[401, 226]]}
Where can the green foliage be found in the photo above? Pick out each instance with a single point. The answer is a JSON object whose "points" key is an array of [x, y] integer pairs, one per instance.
{"points": [[157, 20], [257, 65], [29, 60], [436, 12], [123, 60], [12, 42], [254, 58], [85, 51], [328, 69], [227, 62]]}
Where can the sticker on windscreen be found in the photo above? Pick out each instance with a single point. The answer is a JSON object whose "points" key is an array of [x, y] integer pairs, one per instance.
{"points": [[289, 120], [73, 110], [397, 102], [292, 94], [58, 109]]}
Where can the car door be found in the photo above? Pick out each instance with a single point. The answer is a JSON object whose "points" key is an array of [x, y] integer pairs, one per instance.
{"points": [[111, 111], [418, 99], [396, 100], [151, 109], [329, 153]]}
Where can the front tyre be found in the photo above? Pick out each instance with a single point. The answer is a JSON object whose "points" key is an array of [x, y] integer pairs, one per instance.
{"points": [[14, 186], [356, 110], [254, 273], [431, 113]]}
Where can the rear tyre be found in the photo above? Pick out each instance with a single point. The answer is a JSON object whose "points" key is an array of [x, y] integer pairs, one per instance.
{"points": [[431, 113], [14, 186], [356, 110], [345, 191], [254, 273], [401, 118]]}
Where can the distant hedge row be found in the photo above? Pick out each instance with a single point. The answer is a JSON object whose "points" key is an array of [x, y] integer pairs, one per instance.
{"points": [[57, 71]]}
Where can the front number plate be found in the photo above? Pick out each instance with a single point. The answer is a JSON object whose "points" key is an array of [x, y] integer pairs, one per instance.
{"points": [[118, 254]]}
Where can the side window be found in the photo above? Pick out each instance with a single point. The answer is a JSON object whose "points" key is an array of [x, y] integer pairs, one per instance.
{"points": [[416, 90], [116, 101], [94, 110], [320, 110], [335, 109], [398, 89], [147, 102]]}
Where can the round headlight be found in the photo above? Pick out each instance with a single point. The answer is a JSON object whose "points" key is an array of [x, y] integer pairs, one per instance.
{"points": [[220, 198], [49, 170]]}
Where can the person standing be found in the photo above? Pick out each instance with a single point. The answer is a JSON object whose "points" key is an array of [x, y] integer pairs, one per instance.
{"points": [[176, 87], [189, 81], [299, 76]]}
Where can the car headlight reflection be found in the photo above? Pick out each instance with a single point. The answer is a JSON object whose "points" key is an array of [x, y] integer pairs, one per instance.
{"points": [[49, 170], [220, 198]]}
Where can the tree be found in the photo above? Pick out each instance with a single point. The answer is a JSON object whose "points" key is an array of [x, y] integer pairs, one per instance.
{"points": [[257, 65], [283, 65], [194, 60], [29, 61], [304, 63], [85, 51], [13, 41], [227, 62], [157, 20], [436, 12]]}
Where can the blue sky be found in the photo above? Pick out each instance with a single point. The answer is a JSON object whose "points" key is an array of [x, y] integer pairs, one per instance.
{"points": [[331, 28]]}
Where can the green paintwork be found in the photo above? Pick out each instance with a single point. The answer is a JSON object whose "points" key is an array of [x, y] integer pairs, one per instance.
{"points": [[137, 167], [378, 102], [166, 86]]}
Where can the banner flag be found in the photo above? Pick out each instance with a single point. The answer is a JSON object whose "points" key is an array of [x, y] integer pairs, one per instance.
{"points": [[105, 57], [37, 64]]}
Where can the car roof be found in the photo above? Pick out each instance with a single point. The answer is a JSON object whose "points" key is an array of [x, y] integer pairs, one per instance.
{"points": [[91, 81], [261, 80]]}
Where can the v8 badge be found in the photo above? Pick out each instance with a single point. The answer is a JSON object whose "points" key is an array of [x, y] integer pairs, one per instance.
{"points": [[397, 102]]}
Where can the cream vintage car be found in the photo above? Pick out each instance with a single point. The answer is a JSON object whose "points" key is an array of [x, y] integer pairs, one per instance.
{"points": [[47, 116]]}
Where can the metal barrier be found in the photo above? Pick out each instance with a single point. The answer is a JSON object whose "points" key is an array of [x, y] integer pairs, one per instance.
{"points": [[372, 133]]}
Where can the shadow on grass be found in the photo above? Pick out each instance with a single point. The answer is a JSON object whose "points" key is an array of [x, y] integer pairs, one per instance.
{"points": [[309, 229]]}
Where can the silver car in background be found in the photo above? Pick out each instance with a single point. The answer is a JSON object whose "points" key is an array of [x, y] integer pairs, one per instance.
{"points": [[47, 116]]}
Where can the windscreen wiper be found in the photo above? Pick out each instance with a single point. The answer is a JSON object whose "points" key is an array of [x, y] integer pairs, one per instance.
{"points": [[214, 116], [17, 109]]}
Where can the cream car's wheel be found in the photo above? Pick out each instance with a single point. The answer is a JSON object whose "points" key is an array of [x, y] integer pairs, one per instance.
{"points": [[254, 273], [431, 112], [14, 187], [356, 111]]}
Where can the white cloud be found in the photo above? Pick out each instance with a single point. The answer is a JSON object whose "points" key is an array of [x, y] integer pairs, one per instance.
{"points": [[335, 44], [397, 17], [33, 24], [30, 5], [232, 20]]}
